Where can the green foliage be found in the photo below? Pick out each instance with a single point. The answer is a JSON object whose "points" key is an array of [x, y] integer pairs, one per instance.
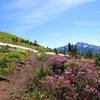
{"points": [[49, 49], [97, 67], [8, 61], [88, 54], [4, 48], [76, 82], [72, 49], [13, 39], [42, 57], [35, 43], [40, 72], [35, 91], [97, 61], [8, 38], [36, 96], [97, 53], [55, 50]]}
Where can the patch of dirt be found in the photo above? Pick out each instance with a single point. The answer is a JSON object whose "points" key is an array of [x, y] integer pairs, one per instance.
{"points": [[15, 83]]}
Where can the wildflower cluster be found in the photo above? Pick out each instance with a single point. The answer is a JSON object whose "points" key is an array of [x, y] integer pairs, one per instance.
{"points": [[70, 80], [80, 82], [56, 63]]}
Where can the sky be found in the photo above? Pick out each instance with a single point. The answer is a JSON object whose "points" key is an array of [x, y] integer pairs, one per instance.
{"points": [[52, 23]]}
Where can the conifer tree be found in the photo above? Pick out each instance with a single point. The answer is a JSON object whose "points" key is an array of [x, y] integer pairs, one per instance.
{"points": [[72, 49], [55, 50]]}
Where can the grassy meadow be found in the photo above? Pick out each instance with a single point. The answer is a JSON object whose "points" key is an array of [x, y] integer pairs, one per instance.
{"points": [[8, 60], [13, 39]]}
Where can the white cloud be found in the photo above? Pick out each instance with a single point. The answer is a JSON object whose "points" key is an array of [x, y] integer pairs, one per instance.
{"points": [[32, 13]]}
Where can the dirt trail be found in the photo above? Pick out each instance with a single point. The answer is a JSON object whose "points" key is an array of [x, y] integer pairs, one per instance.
{"points": [[18, 79]]}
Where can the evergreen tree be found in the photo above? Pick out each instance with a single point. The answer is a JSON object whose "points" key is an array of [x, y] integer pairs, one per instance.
{"points": [[72, 49], [69, 47], [75, 49], [15, 40], [88, 54], [35, 43], [55, 50]]}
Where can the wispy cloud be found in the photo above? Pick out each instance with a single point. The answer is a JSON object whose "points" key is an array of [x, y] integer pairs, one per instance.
{"points": [[23, 3], [88, 23], [32, 13]]}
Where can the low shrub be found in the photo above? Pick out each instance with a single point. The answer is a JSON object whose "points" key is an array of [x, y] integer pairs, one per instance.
{"points": [[8, 61], [97, 61], [56, 64], [77, 81]]}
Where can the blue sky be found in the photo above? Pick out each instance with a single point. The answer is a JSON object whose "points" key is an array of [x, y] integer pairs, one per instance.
{"points": [[52, 23]]}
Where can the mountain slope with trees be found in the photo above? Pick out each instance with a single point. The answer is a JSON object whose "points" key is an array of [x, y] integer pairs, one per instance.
{"points": [[81, 48]]}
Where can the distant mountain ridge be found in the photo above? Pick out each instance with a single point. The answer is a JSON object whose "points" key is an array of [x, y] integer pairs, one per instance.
{"points": [[82, 47]]}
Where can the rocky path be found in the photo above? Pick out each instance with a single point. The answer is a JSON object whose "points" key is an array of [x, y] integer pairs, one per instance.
{"points": [[16, 82]]}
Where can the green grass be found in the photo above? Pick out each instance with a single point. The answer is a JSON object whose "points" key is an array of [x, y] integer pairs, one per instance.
{"points": [[13, 39], [8, 61]]}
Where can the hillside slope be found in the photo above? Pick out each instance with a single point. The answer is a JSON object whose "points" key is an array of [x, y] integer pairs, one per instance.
{"points": [[13, 39]]}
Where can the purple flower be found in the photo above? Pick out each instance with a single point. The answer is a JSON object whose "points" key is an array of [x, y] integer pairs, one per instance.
{"points": [[89, 89]]}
